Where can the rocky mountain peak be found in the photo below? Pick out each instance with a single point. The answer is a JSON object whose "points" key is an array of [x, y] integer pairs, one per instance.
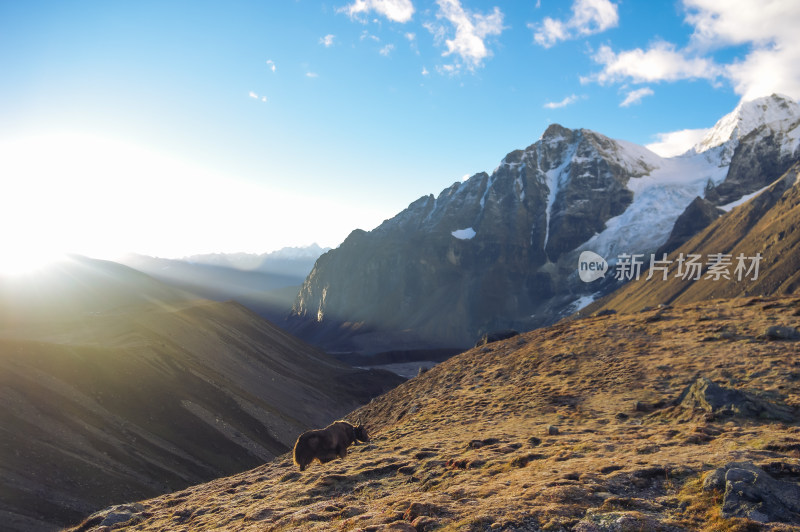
{"points": [[555, 132]]}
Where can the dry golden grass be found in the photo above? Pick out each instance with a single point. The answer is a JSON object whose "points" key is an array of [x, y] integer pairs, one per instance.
{"points": [[467, 445]]}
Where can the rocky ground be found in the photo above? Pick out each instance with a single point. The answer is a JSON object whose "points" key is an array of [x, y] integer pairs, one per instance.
{"points": [[676, 418]]}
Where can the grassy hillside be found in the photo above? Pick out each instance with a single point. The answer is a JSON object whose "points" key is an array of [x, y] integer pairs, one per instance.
{"points": [[598, 424], [116, 395]]}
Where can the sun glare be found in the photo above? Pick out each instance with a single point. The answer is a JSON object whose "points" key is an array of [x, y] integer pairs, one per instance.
{"points": [[24, 263], [87, 195]]}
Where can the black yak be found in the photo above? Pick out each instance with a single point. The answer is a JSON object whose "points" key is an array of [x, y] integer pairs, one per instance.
{"points": [[327, 444]]}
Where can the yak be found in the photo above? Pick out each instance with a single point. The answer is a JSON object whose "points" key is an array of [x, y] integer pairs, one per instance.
{"points": [[327, 444]]}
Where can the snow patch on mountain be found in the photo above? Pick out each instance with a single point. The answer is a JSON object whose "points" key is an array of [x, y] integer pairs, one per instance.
{"points": [[553, 180], [464, 234], [743, 199]]}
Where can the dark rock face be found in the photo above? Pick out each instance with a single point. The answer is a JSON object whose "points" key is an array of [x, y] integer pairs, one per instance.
{"points": [[484, 254], [697, 216], [752, 493], [760, 158]]}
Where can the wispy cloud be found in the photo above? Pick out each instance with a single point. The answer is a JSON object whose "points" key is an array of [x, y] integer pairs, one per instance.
{"points": [[588, 17], [327, 41], [386, 50], [563, 103], [635, 96], [255, 96], [410, 36], [425, 71], [271, 65], [367, 35], [468, 45], [394, 10]]}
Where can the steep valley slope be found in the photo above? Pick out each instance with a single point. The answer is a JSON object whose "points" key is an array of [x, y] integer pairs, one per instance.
{"points": [[675, 418], [116, 387]]}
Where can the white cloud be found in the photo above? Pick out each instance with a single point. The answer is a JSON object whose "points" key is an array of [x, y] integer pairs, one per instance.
{"points": [[765, 30], [739, 21], [386, 50], [327, 41], [563, 103], [253, 95], [677, 142], [395, 10], [425, 71], [411, 36], [588, 17], [661, 62], [767, 71], [635, 96], [471, 30], [271, 64], [768, 26], [312, 75]]}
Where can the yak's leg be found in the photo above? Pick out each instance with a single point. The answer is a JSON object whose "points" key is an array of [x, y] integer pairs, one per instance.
{"points": [[342, 452]]}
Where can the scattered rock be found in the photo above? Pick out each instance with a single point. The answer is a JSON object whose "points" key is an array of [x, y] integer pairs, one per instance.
{"points": [[424, 523], [534, 441], [604, 312], [781, 332], [552, 430], [522, 461], [416, 509], [704, 394], [113, 515], [751, 492], [477, 444]]}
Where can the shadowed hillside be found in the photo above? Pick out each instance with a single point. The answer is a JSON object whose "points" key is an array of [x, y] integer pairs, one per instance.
{"points": [[682, 418], [115, 387]]}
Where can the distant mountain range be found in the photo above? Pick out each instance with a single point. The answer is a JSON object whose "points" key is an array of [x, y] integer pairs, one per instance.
{"points": [[500, 250], [265, 283], [115, 386]]}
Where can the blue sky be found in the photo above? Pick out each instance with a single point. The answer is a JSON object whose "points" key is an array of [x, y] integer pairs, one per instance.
{"points": [[172, 128]]}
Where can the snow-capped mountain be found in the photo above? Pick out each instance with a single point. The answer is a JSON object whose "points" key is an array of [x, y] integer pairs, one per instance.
{"points": [[745, 118], [499, 250]]}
